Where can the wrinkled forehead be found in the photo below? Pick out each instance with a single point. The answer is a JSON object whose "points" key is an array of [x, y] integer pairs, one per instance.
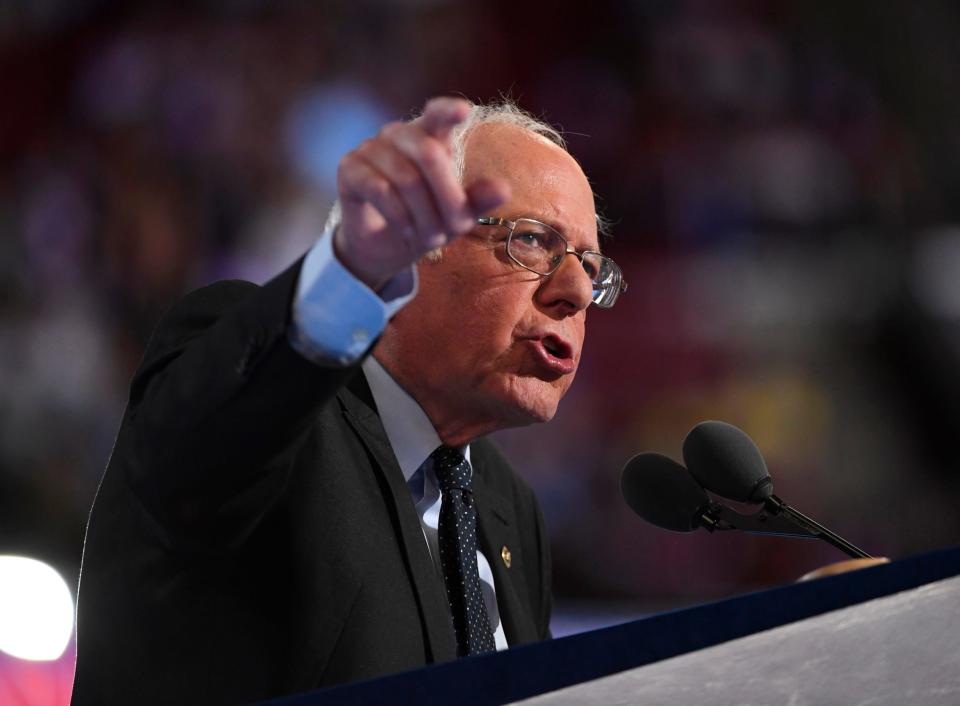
{"points": [[546, 182]]}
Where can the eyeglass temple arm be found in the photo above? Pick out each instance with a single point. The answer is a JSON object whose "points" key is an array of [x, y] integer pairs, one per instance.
{"points": [[491, 221]]}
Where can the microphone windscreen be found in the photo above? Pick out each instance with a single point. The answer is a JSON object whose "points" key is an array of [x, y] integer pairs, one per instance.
{"points": [[663, 492], [727, 462]]}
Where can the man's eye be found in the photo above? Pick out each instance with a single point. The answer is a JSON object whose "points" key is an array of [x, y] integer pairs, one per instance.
{"points": [[590, 268], [529, 239]]}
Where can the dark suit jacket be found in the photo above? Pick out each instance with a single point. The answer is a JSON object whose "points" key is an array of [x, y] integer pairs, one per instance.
{"points": [[253, 535]]}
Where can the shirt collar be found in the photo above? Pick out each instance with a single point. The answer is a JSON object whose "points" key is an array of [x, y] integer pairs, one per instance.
{"points": [[408, 428]]}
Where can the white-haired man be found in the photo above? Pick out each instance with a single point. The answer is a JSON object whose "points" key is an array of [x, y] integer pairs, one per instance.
{"points": [[272, 518]]}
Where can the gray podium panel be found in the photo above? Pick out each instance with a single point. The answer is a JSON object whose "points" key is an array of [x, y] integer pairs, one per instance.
{"points": [[899, 650]]}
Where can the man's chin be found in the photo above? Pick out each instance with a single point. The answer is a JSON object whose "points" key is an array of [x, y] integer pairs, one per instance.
{"points": [[536, 415], [534, 402]]}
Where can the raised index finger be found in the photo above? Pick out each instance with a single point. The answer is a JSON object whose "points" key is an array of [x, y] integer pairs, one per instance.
{"points": [[441, 115]]}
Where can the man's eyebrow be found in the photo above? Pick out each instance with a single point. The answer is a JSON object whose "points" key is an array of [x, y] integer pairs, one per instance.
{"points": [[556, 225], [565, 233]]}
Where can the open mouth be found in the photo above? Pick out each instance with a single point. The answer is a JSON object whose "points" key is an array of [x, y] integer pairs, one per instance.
{"points": [[555, 347], [554, 356]]}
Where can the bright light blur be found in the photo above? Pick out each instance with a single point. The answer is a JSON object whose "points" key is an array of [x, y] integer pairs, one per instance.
{"points": [[36, 609]]}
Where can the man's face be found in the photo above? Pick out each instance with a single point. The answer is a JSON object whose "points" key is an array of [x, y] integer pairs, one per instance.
{"points": [[486, 344]]}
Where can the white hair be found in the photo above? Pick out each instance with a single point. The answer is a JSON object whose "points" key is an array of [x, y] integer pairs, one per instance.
{"points": [[502, 112]]}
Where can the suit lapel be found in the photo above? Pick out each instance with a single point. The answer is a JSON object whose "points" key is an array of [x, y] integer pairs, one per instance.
{"points": [[497, 528], [360, 412]]}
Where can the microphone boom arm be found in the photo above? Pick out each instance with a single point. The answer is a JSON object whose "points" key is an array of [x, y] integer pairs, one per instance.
{"points": [[777, 518], [775, 504]]}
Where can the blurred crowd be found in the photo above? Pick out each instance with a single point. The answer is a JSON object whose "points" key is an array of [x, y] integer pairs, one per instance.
{"points": [[782, 178]]}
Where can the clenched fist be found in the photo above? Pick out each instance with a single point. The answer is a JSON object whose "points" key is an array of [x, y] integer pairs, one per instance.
{"points": [[400, 197]]}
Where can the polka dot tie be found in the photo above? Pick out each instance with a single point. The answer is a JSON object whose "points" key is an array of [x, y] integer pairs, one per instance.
{"points": [[458, 553]]}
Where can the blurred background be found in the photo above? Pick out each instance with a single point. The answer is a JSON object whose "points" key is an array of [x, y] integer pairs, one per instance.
{"points": [[784, 183]]}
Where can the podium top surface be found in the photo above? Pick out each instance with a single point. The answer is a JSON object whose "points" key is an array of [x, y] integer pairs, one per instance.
{"points": [[899, 649]]}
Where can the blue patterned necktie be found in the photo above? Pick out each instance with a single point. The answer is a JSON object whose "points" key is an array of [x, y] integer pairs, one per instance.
{"points": [[458, 553]]}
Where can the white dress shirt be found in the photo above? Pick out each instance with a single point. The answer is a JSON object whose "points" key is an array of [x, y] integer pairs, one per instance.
{"points": [[413, 439], [335, 320]]}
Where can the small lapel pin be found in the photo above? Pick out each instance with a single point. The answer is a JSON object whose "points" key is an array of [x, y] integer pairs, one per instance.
{"points": [[505, 555]]}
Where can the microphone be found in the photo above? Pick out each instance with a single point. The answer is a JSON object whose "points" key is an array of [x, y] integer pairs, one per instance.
{"points": [[724, 460], [663, 492]]}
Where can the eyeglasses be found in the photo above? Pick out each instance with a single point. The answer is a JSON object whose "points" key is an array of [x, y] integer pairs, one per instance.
{"points": [[540, 248]]}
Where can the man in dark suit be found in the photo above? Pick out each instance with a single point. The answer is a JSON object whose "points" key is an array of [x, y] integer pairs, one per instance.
{"points": [[273, 519]]}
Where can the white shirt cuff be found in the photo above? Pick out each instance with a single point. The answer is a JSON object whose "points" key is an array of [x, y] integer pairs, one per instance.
{"points": [[336, 317]]}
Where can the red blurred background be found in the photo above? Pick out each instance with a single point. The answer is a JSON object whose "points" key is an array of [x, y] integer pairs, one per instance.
{"points": [[783, 178]]}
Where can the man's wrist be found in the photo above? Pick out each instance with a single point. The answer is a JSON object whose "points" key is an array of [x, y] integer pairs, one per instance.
{"points": [[336, 316]]}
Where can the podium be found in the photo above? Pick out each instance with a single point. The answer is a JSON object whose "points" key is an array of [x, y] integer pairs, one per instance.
{"points": [[889, 634]]}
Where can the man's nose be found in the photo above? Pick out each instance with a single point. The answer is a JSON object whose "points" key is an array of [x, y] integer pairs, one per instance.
{"points": [[569, 287]]}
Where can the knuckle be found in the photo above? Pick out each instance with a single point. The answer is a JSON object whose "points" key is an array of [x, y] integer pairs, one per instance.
{"points": [[366, 146], [349, 170], [348, 161], [407, 178], [378, 188], [432, 155], [380, 195], [426, 220], [390, 129]]}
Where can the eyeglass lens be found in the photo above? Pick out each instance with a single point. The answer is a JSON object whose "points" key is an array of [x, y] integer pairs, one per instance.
{"points": [[540, 248]]}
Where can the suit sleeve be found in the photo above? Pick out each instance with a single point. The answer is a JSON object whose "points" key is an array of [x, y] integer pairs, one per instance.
{"points": [[216, 410]]}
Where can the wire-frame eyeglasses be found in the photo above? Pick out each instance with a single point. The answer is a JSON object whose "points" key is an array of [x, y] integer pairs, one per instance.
{"points": [[540, 248]]}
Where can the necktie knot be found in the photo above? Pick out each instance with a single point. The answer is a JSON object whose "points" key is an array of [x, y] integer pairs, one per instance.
{"points": [[452, 469]]}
